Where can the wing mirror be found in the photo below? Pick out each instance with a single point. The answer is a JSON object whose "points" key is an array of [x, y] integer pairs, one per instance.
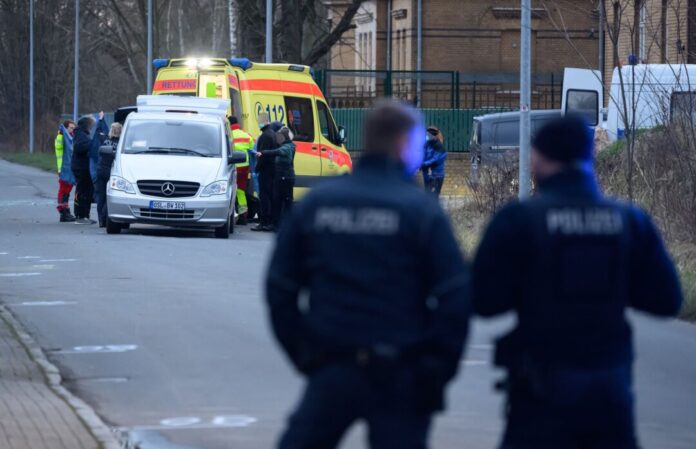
{"points": [[106, 150], [341, 134], [237, 157]]}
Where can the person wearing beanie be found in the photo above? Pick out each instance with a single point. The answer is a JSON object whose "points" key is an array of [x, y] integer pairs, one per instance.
{"points": [[265, 169], [569, 262], [80, 165], [284, 178]]}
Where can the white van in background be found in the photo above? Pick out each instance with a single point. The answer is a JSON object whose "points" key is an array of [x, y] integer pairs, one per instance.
{"points": [[653, 92]]}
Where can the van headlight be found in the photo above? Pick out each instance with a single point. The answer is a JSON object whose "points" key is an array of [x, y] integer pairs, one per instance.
{"points": [[118, 183], [216, 188]]}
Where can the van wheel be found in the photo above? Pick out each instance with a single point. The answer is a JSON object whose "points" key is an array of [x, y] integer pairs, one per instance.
{"points": [[112, 227], [223, 232]]}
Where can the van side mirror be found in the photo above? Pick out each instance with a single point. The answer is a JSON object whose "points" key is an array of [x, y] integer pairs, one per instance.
{"points": [[341, 134], [106, 150], [237, 157]]}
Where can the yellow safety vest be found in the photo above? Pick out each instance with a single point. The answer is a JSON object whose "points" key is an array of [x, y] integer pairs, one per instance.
{"points": [[242, 142], [58, 145]]}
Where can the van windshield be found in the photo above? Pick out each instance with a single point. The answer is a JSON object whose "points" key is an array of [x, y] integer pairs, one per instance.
{"points": [[173, 137]]}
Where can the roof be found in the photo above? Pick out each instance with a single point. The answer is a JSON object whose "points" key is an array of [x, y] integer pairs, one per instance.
{"points": [[516, 114], [183, 116], [172, 103], [218, 63]]}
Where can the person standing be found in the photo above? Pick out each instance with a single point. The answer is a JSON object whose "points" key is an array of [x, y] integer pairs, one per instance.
{"points": [[434, 164], [376, 333], [265, 167], [63, 146], [244, 143], [99, 132], [104, 172], [569, 262], [284, 179], [80, 168]]}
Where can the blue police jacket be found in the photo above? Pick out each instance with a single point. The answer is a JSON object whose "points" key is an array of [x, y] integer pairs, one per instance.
{"points": [[435, 156], [380, 266], [569, 262]]}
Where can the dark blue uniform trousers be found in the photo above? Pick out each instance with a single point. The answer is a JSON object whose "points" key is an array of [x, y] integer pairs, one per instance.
{"points": [[340, 394], [578, 409]]}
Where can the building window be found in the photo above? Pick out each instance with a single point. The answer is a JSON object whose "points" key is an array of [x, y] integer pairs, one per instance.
{"points": [[642, 51]]}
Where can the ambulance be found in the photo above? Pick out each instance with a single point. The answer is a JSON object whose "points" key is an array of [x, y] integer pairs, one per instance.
{"points": [[286, 92]]}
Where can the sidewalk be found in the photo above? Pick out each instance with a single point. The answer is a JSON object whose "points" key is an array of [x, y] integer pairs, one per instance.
{"points": [[34, 408]]}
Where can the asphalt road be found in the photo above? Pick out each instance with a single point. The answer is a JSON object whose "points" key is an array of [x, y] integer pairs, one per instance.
{"points": [[164, 333]]}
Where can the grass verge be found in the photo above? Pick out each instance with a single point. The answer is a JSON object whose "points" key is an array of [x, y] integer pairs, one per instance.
{"points": [[43, 161]]}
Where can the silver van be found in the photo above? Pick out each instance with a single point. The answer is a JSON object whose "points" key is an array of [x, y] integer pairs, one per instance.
{"points": [[174, 166]]}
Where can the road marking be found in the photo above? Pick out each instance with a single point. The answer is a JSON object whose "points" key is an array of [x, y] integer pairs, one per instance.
{"points": [[17, 275], [58, 260], [10, 203], [194, 422], [43, 267], [474, 362], [29, 257], [4, 253], [117, 380], [96, 349], [42, 303]]}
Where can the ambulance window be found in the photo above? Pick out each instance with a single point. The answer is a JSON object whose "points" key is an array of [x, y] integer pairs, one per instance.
{"points": [[328, 128], [300, 118], [236, 102]]}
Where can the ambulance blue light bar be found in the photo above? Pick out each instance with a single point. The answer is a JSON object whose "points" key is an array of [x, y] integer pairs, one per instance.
{"points": [[242, 63], [159, 63]]}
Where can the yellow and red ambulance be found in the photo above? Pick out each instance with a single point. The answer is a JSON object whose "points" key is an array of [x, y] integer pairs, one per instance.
{"points": [[286, 92]]}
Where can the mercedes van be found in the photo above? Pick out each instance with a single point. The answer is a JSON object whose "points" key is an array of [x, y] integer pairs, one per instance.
{"points": [[174, 166]]}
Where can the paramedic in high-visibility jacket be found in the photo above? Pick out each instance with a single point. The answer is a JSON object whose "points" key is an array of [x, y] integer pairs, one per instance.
{"points": [[66, 180], [243, 143]]}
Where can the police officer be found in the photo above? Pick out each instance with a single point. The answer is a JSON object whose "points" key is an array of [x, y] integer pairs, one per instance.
{"points": [[376, 332], [569, 262]]}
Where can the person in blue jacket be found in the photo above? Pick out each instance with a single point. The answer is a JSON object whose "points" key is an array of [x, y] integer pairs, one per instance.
{"points": [[433, 167], [569, 262], [99, 134], [377, 333]]}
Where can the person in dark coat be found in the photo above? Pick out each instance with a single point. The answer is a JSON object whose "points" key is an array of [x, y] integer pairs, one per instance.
{"points": [[569, 262], [80, 168], [377, 333], [284, 173], [265, 168], [104, 172]]}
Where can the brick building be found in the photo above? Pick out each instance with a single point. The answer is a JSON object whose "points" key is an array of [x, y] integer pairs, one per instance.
{"points": [[655, 31], [478, 39]]}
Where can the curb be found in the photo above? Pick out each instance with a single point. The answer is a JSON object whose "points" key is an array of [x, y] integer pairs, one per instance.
{"points": [[106, 438]]}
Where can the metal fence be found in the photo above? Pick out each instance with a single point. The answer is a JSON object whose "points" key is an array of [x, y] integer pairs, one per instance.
{"points": [[455, 125], [439, 89]]}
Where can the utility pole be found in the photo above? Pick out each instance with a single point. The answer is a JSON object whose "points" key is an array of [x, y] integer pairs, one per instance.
{"points": [[269, 31], [149, 46], [31, 76], [76, 88], [525, 98], [419, 50], [601, 41], [389, 34]]}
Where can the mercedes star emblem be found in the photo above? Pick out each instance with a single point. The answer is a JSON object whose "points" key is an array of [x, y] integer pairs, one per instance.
{"points": [[168, 188]]}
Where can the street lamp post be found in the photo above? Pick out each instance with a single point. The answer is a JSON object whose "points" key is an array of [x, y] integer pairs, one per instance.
{"points": [[31, 76], [525, 99], [269, 31], [149, 46], [76, 87]]}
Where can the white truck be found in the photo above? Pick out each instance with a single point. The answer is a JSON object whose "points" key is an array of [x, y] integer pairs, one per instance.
{"points": [[645, 94]]}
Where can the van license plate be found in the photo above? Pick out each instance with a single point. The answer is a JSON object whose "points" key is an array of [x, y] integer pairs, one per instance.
{"points": [[168, 205]]}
